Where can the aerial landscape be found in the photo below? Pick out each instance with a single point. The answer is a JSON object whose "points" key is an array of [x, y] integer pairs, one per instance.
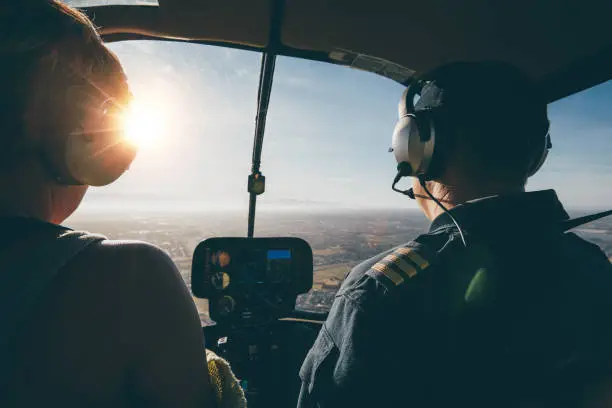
{"points": [[340, 240]]}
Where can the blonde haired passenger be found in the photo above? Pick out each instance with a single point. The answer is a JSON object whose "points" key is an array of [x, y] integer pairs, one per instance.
{"points": [[85, 321]]}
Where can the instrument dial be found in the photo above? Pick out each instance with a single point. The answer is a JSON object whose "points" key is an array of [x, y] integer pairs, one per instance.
{"points": [[220, 280], [226, 305]]}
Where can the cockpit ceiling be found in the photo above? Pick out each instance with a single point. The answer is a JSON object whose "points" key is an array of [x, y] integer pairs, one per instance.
{"points": [[91, 3], [567, 46]]}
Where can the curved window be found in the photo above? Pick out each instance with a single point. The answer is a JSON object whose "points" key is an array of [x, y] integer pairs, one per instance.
{"points": [[325, 159], [579, 166], [329, 171]]}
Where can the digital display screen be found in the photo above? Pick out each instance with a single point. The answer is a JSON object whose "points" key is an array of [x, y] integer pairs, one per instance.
{"points": [[274, 254], [257, 266]]}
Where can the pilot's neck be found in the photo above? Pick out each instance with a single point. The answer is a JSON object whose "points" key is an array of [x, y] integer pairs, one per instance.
{"points": [[451, 196]]}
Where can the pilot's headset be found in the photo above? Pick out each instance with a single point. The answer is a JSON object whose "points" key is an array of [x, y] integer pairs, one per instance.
{"points": [[96, 153], [423, 139]]}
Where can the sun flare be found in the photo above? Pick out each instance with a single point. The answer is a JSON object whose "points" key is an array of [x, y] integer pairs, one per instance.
{"points": [[144, 124]]}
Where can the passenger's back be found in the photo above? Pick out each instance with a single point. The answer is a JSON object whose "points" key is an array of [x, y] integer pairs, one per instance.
{"points": [[115, 326]]}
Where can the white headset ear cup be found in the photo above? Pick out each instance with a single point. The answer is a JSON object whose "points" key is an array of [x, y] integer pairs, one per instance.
{"points": [[98, 160], [402, 107], [409, 148], [401, 136]]}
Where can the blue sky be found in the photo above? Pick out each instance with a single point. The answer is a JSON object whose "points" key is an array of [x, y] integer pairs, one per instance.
{"points": [[328, 131]]}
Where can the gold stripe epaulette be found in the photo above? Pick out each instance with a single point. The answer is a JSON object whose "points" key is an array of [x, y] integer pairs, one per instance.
{"points": [[400, 265]]}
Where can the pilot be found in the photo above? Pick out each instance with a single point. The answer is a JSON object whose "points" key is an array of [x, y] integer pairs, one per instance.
{"points": [[84, 321], [495, 305]]}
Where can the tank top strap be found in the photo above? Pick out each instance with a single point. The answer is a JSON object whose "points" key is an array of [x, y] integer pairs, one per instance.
{"points": [[26, 270]]}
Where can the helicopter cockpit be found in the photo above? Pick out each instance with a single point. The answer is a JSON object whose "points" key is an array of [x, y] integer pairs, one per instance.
{"points": [[264, 236]]}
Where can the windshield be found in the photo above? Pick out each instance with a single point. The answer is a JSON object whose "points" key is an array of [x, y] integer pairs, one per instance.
{"points": [[579, 166], [329, 170], [325, 159]]}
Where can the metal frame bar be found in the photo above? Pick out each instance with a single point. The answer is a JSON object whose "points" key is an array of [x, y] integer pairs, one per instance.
{"points": [[266, 78]]}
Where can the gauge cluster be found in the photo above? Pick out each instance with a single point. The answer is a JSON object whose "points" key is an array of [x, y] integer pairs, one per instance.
{"points": [[251, 281]]}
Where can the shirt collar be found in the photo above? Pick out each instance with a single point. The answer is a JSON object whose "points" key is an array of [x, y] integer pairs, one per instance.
{"points": [[539, 207]]}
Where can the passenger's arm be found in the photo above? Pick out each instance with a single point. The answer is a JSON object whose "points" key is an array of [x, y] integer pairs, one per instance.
{"points": [[161, 332]]}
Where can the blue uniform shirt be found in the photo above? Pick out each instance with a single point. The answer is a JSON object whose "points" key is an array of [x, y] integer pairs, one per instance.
{"points": [[431, 323]]}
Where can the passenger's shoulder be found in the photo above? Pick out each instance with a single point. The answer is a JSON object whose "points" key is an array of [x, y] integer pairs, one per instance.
{"points": [[140, 271], [119, 246], [126, 262], [129, 251]]}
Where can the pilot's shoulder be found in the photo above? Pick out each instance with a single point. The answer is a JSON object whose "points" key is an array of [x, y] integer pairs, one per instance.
{"points": [[402, 264], [393, 268]]}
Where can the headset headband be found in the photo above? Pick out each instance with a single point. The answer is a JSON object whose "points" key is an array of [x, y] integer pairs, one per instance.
{"points": [[406, 106]]}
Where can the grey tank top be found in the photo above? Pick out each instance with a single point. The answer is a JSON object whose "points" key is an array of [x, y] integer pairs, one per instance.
{"points": [[32, 254]]}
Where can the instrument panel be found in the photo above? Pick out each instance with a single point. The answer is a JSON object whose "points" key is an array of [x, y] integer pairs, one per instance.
{"points": [[249, 281]]}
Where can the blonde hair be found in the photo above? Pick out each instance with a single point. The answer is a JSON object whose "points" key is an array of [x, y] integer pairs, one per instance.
{"points": [[46, 49]]}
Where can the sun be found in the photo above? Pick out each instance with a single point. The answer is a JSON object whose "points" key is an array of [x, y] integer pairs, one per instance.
{"points": [[143, 123]]}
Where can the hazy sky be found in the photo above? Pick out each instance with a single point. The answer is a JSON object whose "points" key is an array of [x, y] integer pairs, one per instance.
{"points": [[327, 135]]}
